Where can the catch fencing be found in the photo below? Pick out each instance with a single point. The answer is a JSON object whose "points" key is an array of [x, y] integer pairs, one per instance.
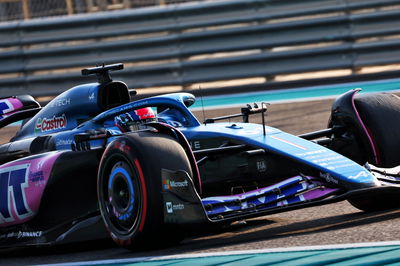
{"points": [[190, 44]]}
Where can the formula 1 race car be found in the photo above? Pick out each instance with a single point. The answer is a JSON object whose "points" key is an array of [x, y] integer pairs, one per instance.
{"points": [[92, 164]]}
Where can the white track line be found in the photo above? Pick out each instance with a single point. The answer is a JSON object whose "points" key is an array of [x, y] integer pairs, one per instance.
{"points": [[227, 253]]}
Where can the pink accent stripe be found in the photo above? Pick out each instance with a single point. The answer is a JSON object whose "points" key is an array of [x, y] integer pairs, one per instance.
{"points": [[365, 128], [144, 190], [189, 153], [290, 143], [193, 164], [17, 104]]}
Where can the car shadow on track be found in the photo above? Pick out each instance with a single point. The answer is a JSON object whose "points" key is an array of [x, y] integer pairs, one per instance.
{"points": [[223, 238], [57, 249], [255, 231]]}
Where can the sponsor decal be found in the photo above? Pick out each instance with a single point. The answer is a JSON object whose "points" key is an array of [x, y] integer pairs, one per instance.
{"points": [[329, 178], [60, 102], [21, 234], [174, 207], [169, 207], [13, 182], [344, 165], [360, 174], [328, 159], [64, 142], [139, 104], [37, 178], [312, 153], [261, 166], [48, 124], [91, 96], [29, 234], [168, 184]]}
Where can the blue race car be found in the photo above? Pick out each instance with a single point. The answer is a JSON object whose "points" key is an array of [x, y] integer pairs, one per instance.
{"points": [[92, 164]]}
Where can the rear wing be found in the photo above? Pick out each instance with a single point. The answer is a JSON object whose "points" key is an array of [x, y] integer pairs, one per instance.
{"points": [[15, 108]]}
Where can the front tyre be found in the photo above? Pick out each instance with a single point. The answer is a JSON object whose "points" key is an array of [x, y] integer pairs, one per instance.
{"points": [[372, 123], [129, 187], [375, 202], [122, 198]]}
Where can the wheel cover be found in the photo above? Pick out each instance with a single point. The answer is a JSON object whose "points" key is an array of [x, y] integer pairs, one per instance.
{"points": [[122, 198]]}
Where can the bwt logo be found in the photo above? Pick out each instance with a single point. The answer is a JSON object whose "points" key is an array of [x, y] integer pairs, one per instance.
{"points": [[174, 207], [13, 181]]}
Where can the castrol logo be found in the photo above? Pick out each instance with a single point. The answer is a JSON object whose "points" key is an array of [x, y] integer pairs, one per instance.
{"points": [[48, 124]]}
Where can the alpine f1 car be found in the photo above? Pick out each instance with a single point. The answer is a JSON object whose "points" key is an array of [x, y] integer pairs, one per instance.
{"points": [[92, 164]]}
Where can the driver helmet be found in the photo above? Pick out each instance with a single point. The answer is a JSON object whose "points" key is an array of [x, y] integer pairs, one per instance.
{"points": [[135, 120]]}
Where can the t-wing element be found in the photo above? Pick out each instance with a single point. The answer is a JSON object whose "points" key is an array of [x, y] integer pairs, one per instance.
{"points": [[102, 72], [245, 113]]}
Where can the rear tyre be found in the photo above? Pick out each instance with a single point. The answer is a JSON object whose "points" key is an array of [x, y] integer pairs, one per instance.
{"points": [[129, 188]]}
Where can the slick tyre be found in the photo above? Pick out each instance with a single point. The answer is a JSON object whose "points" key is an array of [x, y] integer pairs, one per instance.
{"points": [[377, 202], [129, 188], [380, 114]]}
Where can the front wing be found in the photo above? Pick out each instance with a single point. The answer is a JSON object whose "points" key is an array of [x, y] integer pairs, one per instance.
{"points": [[183, 205]]}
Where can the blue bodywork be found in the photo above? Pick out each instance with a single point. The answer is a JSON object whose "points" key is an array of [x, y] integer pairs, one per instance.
{"points": [[275, 140], [80, 104], [77, 111], [339, 167]]}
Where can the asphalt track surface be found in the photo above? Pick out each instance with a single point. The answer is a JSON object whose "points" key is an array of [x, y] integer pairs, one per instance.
{"points": [[338, 223]]}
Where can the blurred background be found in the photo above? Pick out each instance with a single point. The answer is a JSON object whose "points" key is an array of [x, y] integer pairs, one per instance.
{"points": [[28, 9], [222, 47]]}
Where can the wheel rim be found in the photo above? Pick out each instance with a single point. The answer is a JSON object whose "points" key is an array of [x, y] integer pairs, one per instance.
{"points": [[122, 198]]}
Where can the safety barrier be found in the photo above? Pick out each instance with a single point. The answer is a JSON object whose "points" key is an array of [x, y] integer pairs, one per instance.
{"points": [[181, 45]]}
